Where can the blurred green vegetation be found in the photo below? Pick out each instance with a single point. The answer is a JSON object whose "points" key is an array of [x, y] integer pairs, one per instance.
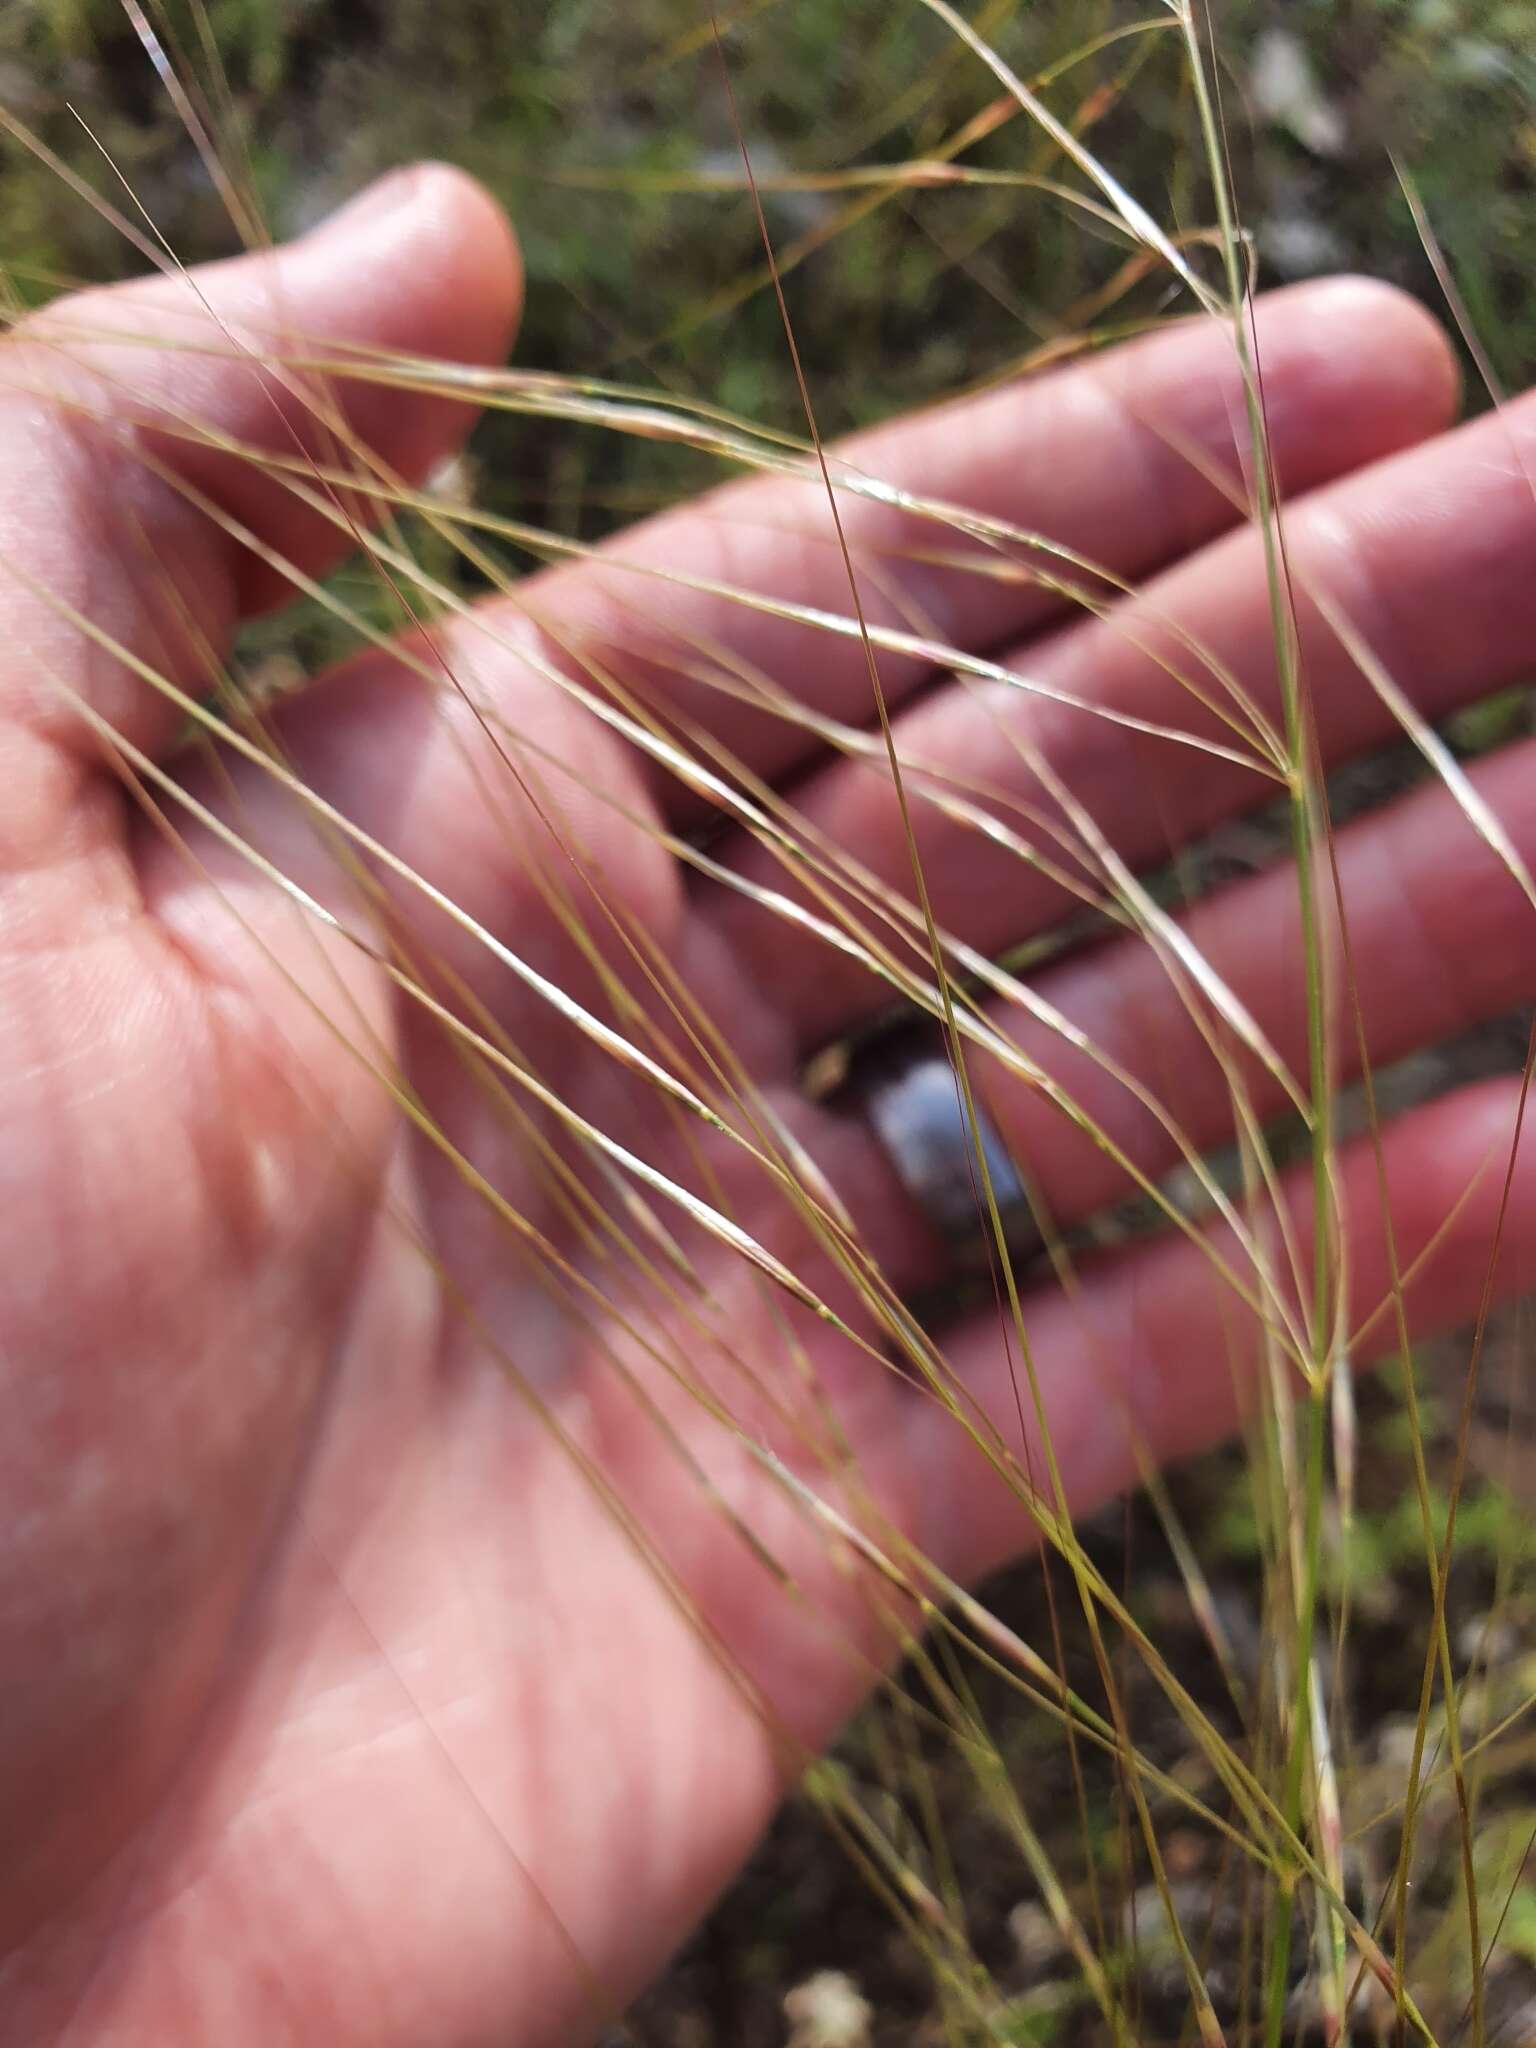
{"points": [[900, 294]]}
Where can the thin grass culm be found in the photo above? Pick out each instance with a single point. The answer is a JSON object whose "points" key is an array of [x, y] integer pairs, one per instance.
{"points": [[763, 1130]]}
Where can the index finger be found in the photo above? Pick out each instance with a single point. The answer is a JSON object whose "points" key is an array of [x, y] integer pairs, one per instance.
{"points": [[1129, 459]]}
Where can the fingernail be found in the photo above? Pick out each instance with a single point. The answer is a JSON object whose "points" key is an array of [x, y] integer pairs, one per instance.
{"points": [[394, 190]]}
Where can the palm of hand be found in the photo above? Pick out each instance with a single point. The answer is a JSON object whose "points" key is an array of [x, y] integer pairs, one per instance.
{"points": [[322, 1574], [367, 1697]]}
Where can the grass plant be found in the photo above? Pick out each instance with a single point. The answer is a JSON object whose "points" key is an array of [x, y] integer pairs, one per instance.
{"points": [[1158, 1744]]}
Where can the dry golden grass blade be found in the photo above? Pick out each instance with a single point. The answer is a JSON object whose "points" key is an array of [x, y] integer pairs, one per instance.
{"points": [[1138, 222]]}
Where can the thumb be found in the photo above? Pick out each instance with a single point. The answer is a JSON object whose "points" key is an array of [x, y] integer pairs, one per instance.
{"points": [[102, 393]]}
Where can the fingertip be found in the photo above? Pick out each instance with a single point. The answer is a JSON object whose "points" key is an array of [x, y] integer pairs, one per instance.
{"points": [[421, 266], [478, 257], [1385, 341], [446, 250]]}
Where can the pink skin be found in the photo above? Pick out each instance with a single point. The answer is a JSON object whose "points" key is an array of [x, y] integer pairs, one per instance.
{"points": [[335, 1705]]}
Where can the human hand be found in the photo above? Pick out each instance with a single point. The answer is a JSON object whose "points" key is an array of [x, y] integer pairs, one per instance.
{"points": [[388, 1649]]}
